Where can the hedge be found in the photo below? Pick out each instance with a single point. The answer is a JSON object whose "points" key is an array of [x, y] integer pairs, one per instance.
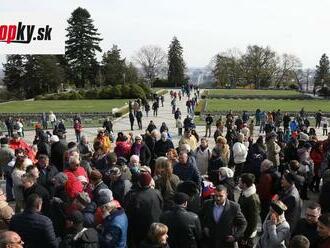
{"points": [[127, 91]]}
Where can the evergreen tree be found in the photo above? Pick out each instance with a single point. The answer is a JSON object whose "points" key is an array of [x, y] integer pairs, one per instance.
{"points": [[322, 74], [81, 46], [14, 71], [31, 75], [176, 65], [113, 66]]}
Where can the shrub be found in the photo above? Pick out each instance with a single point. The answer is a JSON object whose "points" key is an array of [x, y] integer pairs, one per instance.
{"points": [[293, 87], [126, 91], [92, 94], [116, 92], [324, 91], [105, 93], [137, 92]]}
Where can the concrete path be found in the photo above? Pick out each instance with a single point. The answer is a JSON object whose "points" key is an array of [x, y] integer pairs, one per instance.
{"points": [[123, 125]]}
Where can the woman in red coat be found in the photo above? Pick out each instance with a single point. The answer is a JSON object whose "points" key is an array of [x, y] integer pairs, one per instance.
{"points": [[317, 157]]}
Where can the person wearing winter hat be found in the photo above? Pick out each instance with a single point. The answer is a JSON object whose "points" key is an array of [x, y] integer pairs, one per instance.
{"points": [[136, 202], [276, 230], [184, 226], [96, 180], [289, 195], [115, 225], [76, 234], [226, 178]]}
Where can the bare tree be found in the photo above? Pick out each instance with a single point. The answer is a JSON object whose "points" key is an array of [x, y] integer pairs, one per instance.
{"points": [[153, 61], [287, 69]]}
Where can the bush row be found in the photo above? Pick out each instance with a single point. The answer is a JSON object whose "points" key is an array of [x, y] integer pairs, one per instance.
{"points": [[131, 91], [268, 97]]}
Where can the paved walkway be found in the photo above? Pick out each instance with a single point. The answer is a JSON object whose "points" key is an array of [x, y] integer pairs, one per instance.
{"points": [[123, 124]]}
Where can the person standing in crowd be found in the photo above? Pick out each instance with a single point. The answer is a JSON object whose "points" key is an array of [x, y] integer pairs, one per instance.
{"points": [[209, 121], [325, 125], [187, 170], [76, 234], [222, 220], [155, 107], [240, 152], [115, 225], [323, 228], [138, 116], [6, 212], [35, 229], [273, 149], [250, 206], [163, 145], [299, 241], [289, 195], [184, 226], [104, 140], [203, 155], [10, 239], [131, 120], [6, 154], [77, 129], [10, 126], [189, 139], [276, 230], [52, 118], [136, 202], [147, 108], [308, 226], [107, 124], [140, 149], [157, 237], [318, 118]]}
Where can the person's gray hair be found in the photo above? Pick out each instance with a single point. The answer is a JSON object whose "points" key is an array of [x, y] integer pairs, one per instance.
{"points": [[185, 148], [266, 164]]}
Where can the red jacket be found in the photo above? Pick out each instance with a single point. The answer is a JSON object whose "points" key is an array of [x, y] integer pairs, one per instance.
{"points": [[264, 188], [73, 186], [123, 149], [317, 157]]}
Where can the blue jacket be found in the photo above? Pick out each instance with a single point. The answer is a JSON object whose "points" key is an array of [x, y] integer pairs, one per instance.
{"points": [[188, 172], [114, 233]]}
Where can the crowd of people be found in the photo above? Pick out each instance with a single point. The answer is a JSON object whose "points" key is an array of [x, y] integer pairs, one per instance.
{"points": [[145, 191]]}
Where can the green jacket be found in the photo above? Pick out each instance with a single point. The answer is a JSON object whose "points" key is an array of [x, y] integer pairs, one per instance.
{"points": [[250, 206]]}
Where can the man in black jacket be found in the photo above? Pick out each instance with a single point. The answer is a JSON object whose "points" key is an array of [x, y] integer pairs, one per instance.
{"points": [[308, 226], [184, 226], [47, 173], [36, 230], [222, 220], [163, 145], [143, 207], [77, 235], [32, 187]]}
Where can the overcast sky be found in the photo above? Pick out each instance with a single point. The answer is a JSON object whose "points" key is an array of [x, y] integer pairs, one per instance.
{"points": [[204, 28]]}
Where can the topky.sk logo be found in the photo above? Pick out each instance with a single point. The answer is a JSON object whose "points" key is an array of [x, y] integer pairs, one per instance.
{"points": [[21, 33]]}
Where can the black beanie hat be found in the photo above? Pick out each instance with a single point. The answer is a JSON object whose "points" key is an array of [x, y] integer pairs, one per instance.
{"points": [[180, 198]]}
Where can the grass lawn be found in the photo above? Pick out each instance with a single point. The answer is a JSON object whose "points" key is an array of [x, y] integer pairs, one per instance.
{"points": [[62, 106], [215, 105], [247, 92]]}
